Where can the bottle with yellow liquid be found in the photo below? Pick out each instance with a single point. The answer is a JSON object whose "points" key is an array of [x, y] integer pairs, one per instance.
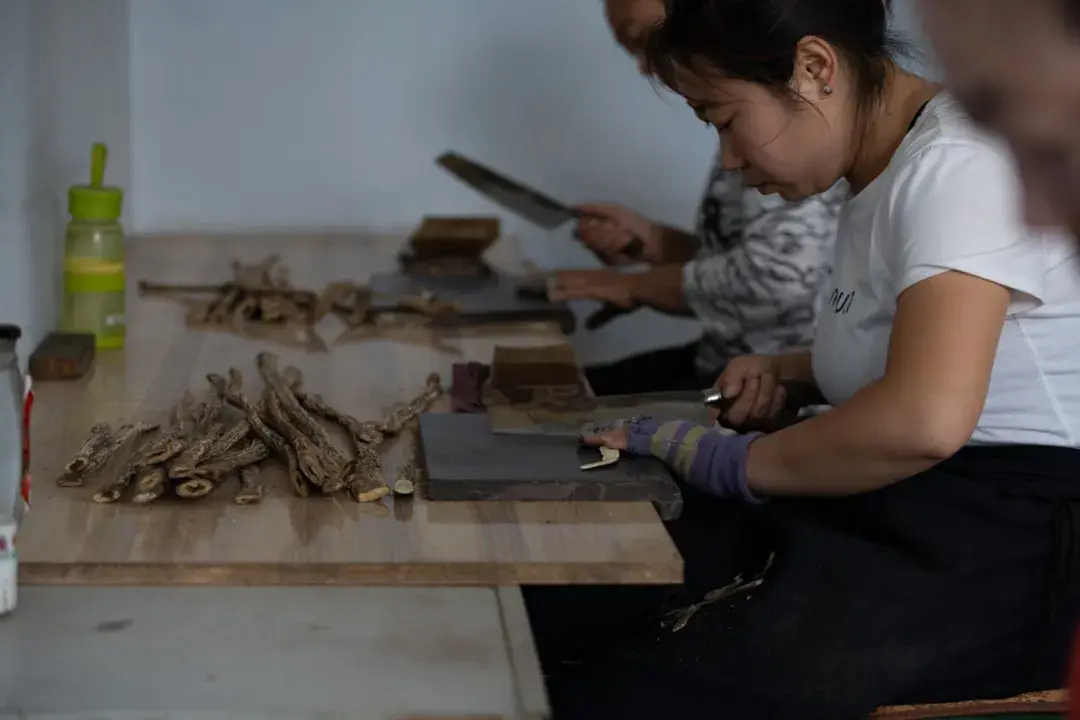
{"points": [[94, 258]]}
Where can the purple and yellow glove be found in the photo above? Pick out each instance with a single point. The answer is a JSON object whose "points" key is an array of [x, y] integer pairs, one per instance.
{"points": [[704, 458]]}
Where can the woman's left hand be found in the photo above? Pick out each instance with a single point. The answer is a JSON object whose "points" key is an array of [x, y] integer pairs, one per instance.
{"points": [[605, 285], [707, 458], [613, 434]]}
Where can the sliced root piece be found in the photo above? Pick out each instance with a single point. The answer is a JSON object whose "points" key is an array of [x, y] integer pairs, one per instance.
{"points": [[124, 435], [366, 483]]}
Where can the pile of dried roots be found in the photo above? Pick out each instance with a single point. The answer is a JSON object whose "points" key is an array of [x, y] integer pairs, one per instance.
{"points": [[261, 302], [229, 435]]}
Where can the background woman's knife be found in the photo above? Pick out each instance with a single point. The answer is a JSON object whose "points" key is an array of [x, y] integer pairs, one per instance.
{"points": [[533, 205]]}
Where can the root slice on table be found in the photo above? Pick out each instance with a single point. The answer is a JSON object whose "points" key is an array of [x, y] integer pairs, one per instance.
{"points": [[405, 483]]}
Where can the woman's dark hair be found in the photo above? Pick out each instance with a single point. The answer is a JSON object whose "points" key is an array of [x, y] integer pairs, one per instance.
{"points": [[755, 40]]}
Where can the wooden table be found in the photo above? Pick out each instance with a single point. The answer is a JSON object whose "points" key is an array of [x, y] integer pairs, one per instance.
{"points": [[286, 540]]}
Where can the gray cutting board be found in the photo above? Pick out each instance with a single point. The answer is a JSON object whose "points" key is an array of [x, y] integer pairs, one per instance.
{"points": [[464, 460], [481, 299]]}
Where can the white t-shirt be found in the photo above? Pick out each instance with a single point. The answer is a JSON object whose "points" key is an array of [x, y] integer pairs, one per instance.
{"points": [[950, 200]]}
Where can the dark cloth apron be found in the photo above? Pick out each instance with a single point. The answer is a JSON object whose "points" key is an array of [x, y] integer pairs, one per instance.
{"points": [[955, 584]]}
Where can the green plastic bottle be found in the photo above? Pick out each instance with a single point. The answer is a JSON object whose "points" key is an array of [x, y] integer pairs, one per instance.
{"points": [[94, 258]]}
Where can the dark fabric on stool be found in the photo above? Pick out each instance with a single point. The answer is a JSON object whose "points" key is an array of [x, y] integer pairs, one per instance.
{"points": [[955, 584], [467, 387], [672, 368]]}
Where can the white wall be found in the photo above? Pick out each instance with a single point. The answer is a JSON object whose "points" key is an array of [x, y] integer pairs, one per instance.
{"points": [[63, 84]]}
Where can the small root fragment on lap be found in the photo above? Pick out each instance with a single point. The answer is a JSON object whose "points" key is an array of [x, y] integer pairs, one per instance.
{"points": [[678, 619]]}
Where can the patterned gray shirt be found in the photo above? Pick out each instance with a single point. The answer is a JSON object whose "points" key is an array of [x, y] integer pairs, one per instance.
{"points": [[755, 279]]}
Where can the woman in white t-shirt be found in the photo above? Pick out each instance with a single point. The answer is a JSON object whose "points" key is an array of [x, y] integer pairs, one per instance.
{"points": [[925, 530]]}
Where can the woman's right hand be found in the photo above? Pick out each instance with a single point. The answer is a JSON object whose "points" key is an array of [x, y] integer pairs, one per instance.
{"points": [[753, 381], [609, 229]]}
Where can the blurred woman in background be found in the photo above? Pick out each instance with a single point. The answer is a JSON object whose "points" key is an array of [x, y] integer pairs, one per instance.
{"points": [[750, 272]]}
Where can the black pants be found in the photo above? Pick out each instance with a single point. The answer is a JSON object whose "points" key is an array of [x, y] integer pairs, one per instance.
{"points": [[955, 584], [671, 368]]}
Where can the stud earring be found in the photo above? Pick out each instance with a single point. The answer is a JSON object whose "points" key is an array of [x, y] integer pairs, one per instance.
{"points": [[827, 90]]}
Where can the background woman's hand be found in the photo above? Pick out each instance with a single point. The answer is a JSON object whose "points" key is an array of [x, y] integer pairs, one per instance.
{"points": [[605, 285], [609, 229], [754, 383]]}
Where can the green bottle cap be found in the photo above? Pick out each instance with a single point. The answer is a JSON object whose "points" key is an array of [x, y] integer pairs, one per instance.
{"points": [[96, 201]]}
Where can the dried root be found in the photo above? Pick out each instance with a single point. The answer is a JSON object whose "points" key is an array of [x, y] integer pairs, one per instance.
{"points": [[153, 451], [184, 466], [251, 491], [203, 447], [325, 455], [259, 297], [308, 457], [95, 441], [233, 394], [402, 415], [251, 454], [149, 485], [102, 454]]}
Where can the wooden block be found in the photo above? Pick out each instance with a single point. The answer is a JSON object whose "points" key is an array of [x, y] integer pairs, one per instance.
{"points": [[62, 356], [454, 236], [515, 368]]}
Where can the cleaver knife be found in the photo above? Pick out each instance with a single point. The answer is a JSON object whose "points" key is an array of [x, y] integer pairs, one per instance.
{"points": [[566, 419], [533, 205]]}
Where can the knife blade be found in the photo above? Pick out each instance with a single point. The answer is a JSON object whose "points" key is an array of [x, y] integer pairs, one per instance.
{"points": [[566, 419], [527, 202]]}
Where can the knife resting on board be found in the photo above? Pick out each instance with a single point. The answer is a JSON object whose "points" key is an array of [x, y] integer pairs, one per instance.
{"points": [[565, 418]]}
